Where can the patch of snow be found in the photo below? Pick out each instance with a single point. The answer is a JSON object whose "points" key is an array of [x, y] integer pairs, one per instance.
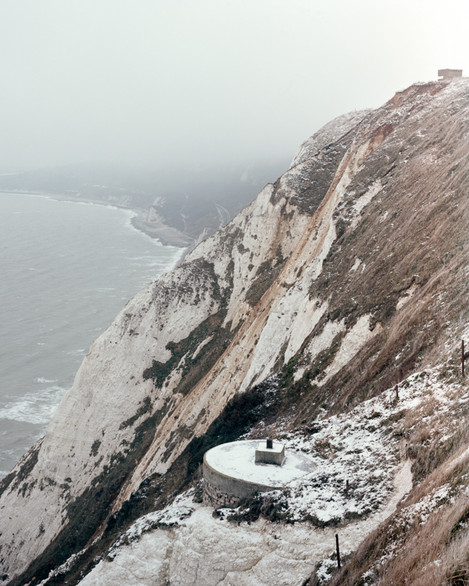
{"points": [[424, 507], [406, 296], [459, 459], [171, 516], [143, 563], [64, 568], [237, 460], [356, 264], [212, 551], [383, 217]]}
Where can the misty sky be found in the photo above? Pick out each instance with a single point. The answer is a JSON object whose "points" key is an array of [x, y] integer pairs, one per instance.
{"points": [[154, 82]]}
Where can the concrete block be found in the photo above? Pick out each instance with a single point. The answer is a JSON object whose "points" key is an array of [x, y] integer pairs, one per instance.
{"points": [[270, 453]]}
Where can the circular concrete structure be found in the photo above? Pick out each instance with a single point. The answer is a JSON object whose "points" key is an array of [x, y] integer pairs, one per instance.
{"points": [[231, 472]]}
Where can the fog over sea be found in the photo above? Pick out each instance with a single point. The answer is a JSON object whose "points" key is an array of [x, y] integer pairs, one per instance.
{"points": [[66, 270]]}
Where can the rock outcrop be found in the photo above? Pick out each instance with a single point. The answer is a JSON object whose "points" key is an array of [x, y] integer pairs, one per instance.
{"points": [[345, 275]]}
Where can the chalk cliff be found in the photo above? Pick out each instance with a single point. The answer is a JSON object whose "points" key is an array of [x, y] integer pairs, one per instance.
{"points": [[345, 276]]}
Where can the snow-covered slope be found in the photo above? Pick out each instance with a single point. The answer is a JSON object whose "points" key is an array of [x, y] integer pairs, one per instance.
{"points": [[195, 547], [344, 276]]}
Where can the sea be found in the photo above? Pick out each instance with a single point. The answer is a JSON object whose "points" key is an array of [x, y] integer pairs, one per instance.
{"points": [[67, 269]]}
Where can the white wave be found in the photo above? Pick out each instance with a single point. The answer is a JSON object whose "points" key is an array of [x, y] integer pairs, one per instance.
{"points": [[77, 352], [41, 379], [36, 408]]}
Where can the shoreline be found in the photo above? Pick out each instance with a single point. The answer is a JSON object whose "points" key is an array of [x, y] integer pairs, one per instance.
{"points": [[27, 410], [166, 235]]}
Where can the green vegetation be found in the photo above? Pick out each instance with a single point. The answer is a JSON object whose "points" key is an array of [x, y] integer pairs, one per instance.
{"points": [[95, 448], [142, 410]]}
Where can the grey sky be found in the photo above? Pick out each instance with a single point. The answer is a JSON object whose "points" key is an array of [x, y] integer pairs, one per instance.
{"points": [[154, 81]]}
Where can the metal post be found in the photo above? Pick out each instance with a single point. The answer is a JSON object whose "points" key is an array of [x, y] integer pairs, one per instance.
{"points": [[337, 549], [270, 444], [462, 357]]}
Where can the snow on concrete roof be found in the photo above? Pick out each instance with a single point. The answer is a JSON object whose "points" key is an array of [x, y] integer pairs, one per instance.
{"points": [[237, 460]]}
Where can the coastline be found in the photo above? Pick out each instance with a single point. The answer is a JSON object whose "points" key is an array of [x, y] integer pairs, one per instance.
{"points": [[39, 363], [166, 235]]}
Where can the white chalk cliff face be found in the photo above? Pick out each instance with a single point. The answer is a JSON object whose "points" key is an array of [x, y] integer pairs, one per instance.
{"points": [[327, 279]]}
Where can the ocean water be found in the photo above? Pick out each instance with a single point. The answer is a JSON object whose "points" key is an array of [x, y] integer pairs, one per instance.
{"points": [[66, 270]]}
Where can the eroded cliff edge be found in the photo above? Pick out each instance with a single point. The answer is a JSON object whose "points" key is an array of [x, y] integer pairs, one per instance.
{"points": [[347, 273]]}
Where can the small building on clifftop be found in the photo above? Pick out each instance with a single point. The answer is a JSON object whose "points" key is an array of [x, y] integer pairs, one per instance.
{"points": [[449, 73]]}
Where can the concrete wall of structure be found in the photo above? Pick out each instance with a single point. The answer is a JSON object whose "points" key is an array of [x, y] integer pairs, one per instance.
{"points": [[221, 490], [216, 498], [449, 73]]}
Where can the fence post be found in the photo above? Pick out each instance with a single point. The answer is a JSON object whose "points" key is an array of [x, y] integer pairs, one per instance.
{"points": [[337, 549], [462, 357]]}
